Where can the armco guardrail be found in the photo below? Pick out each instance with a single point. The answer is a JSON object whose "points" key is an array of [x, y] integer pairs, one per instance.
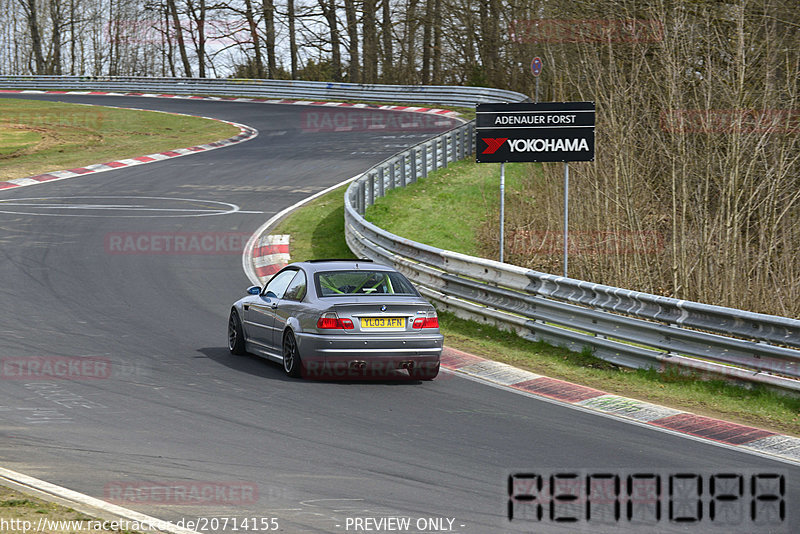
{"points": [[626, 327], [428, 94]]}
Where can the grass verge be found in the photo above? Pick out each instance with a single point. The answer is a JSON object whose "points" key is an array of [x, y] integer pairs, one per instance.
{"points": [[38, 137], [22, 514], [317, 231], [471, 194]]}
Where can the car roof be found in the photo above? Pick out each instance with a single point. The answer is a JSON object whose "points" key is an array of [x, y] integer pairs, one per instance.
{"points": [[342, 265]]}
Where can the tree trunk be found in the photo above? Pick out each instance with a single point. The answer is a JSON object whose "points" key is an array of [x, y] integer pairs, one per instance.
{"points": [[427, 31], [292, 38], [170, 45], [353, 68], [29, 6], [269, 21], [187, 68], [437, 44], [409, 45], [251, 21], [329, 12], [200, 45], [73, 37], [386, 29], [370, 42], [54, 57]]}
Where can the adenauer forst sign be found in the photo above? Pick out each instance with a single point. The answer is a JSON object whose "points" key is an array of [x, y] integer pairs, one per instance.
{"points": [[550, 131]]}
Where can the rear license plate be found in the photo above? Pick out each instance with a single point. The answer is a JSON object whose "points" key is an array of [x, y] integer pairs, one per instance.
{"points": [[383, 322]]}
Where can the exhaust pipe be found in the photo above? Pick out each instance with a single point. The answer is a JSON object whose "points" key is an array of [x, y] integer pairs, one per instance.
{"points": [[407, 365], [357, 364]]}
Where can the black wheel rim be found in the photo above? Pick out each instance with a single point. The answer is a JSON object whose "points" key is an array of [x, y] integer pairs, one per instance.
{"points": [[288, 353], [232, 335]]}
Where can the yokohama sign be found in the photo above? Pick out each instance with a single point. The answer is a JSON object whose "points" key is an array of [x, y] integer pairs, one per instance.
{"points": [[552, 131]]}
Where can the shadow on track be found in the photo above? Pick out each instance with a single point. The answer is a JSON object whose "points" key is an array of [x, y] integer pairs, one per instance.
{"points": [[263, 368]]}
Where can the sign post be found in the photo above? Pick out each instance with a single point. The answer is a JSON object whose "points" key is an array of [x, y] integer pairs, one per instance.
{"points": [[566, 215], [502, 206], [525, 132]]}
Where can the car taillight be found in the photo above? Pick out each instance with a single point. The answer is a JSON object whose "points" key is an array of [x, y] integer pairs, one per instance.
{"points": [[331, 321], [431, 321]]}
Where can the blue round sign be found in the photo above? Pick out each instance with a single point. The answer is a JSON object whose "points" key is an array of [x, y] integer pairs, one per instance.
{"points": [[536, 66]]}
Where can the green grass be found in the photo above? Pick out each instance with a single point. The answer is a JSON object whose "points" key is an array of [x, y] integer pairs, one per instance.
{"points": [[446, 209], [57, 136], [16, 508], [317, 230], [13, 140]]}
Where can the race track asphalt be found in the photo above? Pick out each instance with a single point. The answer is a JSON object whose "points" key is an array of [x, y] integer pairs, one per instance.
{"points": [[176, 407]]}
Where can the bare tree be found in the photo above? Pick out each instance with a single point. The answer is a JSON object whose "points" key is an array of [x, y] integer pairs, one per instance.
{"points": [[370, 47], [329, 12], [292, 38], [353, 69], [269, 40], [30, 9], [197, 11], [173, 10], [387, 59]]}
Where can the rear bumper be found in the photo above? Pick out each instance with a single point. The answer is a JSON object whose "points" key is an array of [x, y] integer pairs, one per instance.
{"points": [[357, 355]]}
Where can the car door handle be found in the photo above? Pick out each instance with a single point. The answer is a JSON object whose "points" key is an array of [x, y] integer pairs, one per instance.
{"points": [[274, 305]]}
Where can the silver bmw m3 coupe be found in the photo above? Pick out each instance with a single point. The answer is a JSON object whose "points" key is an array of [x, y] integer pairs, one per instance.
{"points": [[339, 319]]}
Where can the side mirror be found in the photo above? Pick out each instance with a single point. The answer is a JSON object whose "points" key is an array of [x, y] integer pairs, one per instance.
{"points": [[253, 290]]}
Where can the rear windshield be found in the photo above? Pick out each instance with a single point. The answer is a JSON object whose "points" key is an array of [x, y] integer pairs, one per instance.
{"points": [[338, 283]]}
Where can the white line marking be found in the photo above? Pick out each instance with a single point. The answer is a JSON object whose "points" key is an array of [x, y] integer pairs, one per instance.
{"points": [[225, 208]]}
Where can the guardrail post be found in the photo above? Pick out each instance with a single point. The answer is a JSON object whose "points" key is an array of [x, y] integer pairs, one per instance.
{"points": [[424, 172], [371, 189], [434, 155], [470, 137], [414, 163], [380, 182], [454, 145], [445, 146], [403, 170], [360, 207], [392, 175]]}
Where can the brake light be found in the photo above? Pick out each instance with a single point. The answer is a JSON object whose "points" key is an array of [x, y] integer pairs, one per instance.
{"points": [[331, 321], [431, 321]]}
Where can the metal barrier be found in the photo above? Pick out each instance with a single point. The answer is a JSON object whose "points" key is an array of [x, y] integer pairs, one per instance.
{"points": [[626, 327], [427, 94]]}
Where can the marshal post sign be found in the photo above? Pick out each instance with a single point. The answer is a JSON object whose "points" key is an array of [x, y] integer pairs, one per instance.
{"points": [[550, 131]]}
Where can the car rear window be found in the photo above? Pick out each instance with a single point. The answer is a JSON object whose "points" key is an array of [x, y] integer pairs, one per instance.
{"points": [[338, 283]]}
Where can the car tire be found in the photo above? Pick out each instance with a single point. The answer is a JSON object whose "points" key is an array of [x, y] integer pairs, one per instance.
{"points": [[291, 356], [235, 335], [425, 372]]}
